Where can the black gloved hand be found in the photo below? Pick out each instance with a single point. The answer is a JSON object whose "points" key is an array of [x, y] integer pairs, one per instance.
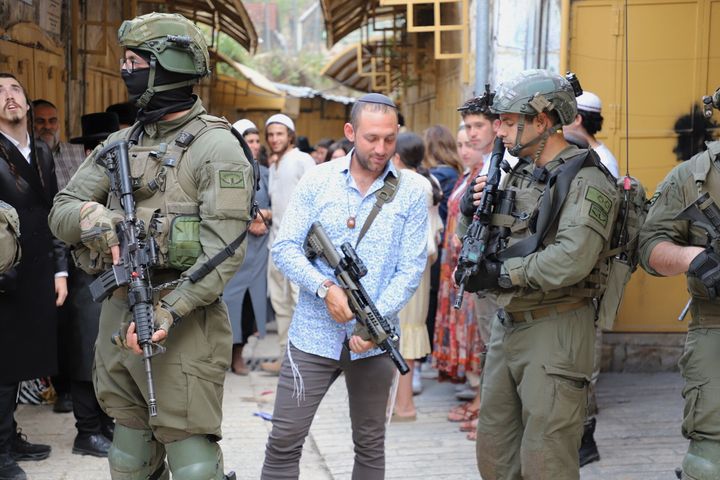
{"points": [[466, 203], [486, 279], [706, 267]]}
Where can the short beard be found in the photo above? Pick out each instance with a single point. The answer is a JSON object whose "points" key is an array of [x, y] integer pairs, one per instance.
{"points": [[55, 139]]}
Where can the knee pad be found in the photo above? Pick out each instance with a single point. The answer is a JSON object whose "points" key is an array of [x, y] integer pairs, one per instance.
{"points": [[702, 460], [195, 458], [136, 455]]}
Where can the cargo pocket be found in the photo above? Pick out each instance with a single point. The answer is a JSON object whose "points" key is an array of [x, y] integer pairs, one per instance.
{"points": [[184, 240], [692, 394], [205, 394], [567, 411]]}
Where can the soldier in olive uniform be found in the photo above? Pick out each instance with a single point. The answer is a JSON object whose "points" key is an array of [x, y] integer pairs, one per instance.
{"points": [[668, 247], [192, 187], [9, 237], [540, 354]]}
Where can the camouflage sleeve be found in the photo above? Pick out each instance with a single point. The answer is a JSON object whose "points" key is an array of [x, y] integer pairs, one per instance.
{"points": [[584, 227], [660, 226], [89, 184], [224, 180], [9, 235]]}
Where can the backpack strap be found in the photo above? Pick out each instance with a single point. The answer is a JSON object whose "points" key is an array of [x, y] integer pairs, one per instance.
{"points": [[552, 199], [385, 195], [701, 169], [230, 250]]}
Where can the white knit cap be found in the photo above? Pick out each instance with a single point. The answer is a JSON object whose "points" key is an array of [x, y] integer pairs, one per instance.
{"points": [[282, 119], [243, 125], [589, 102]]}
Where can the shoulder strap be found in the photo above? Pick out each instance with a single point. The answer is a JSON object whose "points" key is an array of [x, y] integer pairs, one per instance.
{"points": [[229, 251], [385, 195], [550, 204], [702, 168]]}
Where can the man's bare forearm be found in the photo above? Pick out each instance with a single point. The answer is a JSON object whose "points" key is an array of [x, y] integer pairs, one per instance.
{"points": [[669, 259]]}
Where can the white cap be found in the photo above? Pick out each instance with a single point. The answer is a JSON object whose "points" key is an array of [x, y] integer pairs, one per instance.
{"points": [[243, 125], [589, 102], [282, 119]]}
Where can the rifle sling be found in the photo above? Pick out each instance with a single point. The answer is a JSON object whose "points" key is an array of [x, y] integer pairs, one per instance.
{"points": [[550, 204], [385, 195], [220, 257]]}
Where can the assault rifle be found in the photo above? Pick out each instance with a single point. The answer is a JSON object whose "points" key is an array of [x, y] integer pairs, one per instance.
{"points": [[138, 252], [475, 242], [349, 269], [705, 213]]}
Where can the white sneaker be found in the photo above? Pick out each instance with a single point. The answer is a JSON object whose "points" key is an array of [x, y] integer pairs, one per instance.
{"points": [[416, 382], [427, 371]]}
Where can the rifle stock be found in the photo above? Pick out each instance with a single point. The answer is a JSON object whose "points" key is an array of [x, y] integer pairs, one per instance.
{"points": [[349, 269]]}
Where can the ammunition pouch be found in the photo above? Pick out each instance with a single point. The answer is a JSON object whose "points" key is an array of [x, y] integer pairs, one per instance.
{"points": [[184, 246]]}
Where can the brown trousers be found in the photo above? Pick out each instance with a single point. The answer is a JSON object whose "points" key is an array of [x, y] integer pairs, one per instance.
{"points": [[368, 382]]}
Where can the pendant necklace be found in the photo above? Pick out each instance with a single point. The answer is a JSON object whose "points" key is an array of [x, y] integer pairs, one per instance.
{"points": [[350, 222]]}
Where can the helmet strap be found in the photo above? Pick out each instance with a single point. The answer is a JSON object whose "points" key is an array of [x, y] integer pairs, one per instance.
{"points": [[151, 90]]}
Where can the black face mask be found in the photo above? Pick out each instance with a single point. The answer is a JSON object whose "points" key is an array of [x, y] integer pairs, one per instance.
{"points": [[161, 103]]}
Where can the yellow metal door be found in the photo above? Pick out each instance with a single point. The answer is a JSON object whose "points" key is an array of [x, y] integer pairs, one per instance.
{"points": [[670, 57]]}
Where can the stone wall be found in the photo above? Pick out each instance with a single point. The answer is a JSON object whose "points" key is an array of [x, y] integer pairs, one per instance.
{"points": [[641, 352]]}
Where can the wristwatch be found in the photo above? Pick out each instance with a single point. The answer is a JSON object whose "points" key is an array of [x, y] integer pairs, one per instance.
{"points": [[323, 289]]}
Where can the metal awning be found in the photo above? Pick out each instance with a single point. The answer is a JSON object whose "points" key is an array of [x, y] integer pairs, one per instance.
{"points": [[363, 67], [227, 16], [343, 17], [253, 91]]}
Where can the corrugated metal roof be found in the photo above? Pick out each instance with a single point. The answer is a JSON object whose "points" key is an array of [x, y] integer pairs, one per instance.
{"points": [[227, 16]]}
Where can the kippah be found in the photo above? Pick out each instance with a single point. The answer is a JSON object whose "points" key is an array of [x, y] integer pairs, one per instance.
{"points": [[377, 98]]}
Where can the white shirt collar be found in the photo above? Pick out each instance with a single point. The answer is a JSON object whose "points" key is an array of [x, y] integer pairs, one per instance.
{"points": [[24, 150]]}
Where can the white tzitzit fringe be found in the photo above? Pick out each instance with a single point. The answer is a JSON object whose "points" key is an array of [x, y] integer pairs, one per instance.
{"points": [[298, 384], [391, 398]]}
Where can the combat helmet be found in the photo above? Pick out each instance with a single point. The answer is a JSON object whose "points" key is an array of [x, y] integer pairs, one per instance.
{"points": [[172, 41], [533, 92]]}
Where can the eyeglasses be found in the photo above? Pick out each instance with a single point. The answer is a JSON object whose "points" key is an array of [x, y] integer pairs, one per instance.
{"points": [[128, 64]]}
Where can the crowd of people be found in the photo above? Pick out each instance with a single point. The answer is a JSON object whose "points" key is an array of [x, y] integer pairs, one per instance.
{"points": [[214, 245]]}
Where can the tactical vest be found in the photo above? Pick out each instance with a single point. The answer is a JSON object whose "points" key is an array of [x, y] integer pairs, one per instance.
{"points": [[523, 223], [166, 202], [705, 178]]}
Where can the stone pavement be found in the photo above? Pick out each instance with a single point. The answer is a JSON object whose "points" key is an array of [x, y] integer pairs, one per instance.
{"points": [[638, 432]]}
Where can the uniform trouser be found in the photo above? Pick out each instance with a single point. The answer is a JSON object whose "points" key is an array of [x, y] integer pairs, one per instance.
{"points": [[699, 367], [89, 417], [534, 396], [8, 402], [592, 409], [188, 377], [368, 382], [283, 296]]}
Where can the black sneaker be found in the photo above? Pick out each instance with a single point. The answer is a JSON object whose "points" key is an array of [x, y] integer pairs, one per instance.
{"points": [[10, 470], [63, 403], [94, 444], [21, 449]]}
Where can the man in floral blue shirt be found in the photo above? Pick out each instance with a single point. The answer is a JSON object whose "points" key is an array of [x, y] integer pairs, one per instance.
{"points": [[340, 194]]}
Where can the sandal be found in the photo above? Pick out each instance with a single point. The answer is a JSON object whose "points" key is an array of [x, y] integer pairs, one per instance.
{"points": [[462, 413], [469, 426], [472, 436]]}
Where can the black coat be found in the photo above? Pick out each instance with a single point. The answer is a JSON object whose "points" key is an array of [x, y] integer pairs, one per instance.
{"points": [[28, 342]]}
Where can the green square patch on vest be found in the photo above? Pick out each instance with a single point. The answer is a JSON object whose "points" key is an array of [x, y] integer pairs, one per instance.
{"points": [[600, 205], [230, 179]]}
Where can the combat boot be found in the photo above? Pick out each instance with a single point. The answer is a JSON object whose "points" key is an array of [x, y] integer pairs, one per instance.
{"points": [[9, 469], [588, 448]]}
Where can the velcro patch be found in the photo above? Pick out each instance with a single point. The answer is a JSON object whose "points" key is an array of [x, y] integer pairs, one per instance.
{"points": [[230, 179], [600, 205]]}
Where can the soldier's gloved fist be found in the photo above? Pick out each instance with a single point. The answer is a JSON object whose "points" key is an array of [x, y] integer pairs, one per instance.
{"points": [[706, 267], [488, 277], [97, 227], [165, 318], [119, 338]]}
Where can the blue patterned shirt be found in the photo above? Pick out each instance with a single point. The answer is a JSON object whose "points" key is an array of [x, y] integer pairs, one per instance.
{"points": [[393, 249]]}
